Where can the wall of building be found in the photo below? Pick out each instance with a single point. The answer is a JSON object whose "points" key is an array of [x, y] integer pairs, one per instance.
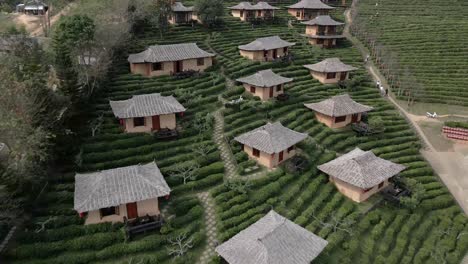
{"points": [[330, 121], [165, 121], [355, 193], [168, 67], [264, 92], [186, 17], [256, 14], [259, 55], [150, 207], [269, 160], [326, 42], [322, 77], [309, 14]]}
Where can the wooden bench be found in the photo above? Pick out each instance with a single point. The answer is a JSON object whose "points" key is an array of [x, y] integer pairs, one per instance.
{"points": [[141, 225]]}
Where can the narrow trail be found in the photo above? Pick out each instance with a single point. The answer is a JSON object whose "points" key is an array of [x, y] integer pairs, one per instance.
{"points": [[226, 154], [210, 222], [451, 167]]}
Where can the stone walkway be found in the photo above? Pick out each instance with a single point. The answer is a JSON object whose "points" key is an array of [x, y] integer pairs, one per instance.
{"points": [[226, 154], [210, 222]]}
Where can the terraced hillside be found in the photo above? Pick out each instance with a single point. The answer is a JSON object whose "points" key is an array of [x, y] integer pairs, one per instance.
{"points": [[428, 38], [386, 234]]}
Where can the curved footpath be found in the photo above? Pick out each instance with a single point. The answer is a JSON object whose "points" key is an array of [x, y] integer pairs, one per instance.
{"points": [[452, 167]]}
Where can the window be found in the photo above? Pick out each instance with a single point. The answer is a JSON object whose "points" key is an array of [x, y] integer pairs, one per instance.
{"points": [[252, 89], [138, 121], [291, 148], [285, 50], [298, 14], [278, 87], [319, 41], [114, 210], [381, 184], [200, 61], [339, 119], [331, 75], [242, 13], [158, 66], [256, 152]]}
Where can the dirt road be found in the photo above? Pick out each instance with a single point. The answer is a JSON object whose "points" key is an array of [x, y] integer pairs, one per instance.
{"points": [[451, 166]]}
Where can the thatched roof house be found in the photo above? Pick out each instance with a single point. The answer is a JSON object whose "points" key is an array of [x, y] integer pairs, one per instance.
{"points": [[338, 111], [273, 239], [246, 11], [322, 31], [265, 84], [330, 70], [359, 174], [309, 9], [265, 49], [270, 144], [146, 113], [169, 59], [111, 195], [182, 14]]}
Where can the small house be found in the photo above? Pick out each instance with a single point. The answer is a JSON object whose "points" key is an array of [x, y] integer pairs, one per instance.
{"points": [[33, 7], [273, 239], [118, 194], [338, 111], [309, 9], [170, 59], [147, 113], [322, 31], [182, 14], [246, 11], [271, 144], [266, 49], [360, 174], [265, 84], [330, 70]]}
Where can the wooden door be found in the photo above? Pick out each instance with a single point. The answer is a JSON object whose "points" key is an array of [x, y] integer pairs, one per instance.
{"points": [[343, 76], [275, 53], [132, 210], [280, 156], [156, 122], [354, 118], [265, 54], [178, 66], [271, 92]]}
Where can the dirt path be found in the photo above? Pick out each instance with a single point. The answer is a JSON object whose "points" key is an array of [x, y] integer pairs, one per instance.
{"points": [[452, 167]]}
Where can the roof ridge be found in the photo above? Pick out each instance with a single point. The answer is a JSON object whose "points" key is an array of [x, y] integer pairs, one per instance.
{"points": [[138, 174], [96, 185]]}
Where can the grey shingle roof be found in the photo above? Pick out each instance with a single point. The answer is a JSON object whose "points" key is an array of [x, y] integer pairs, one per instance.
{"points": [[361, 168], [310, 4], [179, 7], [118, 186], [271, 138], [172, 52], [339, 105], [265, 78], [243, 6], [249, 6], [146, 105], [34, 5], [322, 21], [272, 240], [266, 43], [330, 65]]}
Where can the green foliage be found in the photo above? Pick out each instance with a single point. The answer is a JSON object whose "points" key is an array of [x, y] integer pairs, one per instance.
{"points": [[209, 11], [456, 124]]}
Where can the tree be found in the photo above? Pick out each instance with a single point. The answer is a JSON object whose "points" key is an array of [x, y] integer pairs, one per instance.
{"points": [[185, 171], [417, 193], [337, 224], [179, 245], [209, 11], [76, 31], [203, 148], [159, 17], [238, 186]]}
